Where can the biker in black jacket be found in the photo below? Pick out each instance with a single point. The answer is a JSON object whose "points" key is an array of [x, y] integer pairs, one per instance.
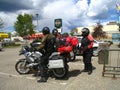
{"points": [[87, 50], [55, 33], [48, 46]]}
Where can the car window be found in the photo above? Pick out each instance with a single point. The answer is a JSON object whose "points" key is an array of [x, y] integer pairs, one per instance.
{"points": [[79, 39], [95, 41]]}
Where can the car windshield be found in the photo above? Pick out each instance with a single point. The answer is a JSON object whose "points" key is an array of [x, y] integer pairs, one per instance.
{"points": [[79, 39]]}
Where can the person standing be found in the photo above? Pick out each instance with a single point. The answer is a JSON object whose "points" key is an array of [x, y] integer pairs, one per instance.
{"points": [[56, 34], [87, 50], [48, 46]]}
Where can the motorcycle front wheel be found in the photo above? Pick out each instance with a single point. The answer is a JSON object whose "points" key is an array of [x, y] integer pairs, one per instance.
{"points": [[21, 68]]}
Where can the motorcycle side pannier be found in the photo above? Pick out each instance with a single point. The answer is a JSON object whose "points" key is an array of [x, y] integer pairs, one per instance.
{"points": [[56, 64]]}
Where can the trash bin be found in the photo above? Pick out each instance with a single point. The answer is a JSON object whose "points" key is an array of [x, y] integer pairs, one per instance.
{"points": [[103, 53], [103, 57]]}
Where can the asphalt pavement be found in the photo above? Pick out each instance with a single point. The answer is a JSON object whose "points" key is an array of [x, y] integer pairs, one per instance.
{"points": [[75, 80]]}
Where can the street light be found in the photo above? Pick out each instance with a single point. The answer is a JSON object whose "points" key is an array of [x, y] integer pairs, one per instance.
{"points": [[118, 12], [37, 21]]}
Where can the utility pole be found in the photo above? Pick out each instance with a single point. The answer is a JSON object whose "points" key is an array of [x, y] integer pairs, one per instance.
{"points": [[118, 12], [37, 21]]}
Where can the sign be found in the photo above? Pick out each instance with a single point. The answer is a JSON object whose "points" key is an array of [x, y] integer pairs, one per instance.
{"points": [[58, 23], [4, 35], [119, 20], [59, 30]]}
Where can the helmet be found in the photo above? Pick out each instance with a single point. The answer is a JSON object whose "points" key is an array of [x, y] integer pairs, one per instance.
{"points": [[85, 32], [55, 32], [45, 30]]}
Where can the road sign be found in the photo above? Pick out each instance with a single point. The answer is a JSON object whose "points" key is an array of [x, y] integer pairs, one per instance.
{"points": [[58, 23]]}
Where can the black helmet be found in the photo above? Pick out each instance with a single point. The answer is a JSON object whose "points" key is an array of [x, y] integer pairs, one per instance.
{"points": [[45, 30], [85, 32], [55, 32]]}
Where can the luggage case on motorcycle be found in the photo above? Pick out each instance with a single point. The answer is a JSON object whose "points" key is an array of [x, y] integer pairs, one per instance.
{"points": [[56, 64]]}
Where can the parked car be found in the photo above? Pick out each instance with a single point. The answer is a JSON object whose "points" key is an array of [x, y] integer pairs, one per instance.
{"points": [[7, 41], [95, 47], [1, 46]]}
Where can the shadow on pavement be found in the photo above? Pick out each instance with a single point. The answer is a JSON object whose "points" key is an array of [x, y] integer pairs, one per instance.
{"points": [[72, 73], [76, 60]]}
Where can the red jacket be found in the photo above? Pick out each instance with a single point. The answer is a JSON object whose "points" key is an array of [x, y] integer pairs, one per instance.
{"points": [[87, 44]]}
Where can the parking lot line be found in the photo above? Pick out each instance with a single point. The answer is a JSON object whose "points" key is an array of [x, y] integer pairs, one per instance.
{"points": [[13, 75], [30, 78]]}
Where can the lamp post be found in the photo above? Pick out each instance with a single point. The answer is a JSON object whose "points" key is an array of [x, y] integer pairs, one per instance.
{"points": [[118, 12], [37, 21]]}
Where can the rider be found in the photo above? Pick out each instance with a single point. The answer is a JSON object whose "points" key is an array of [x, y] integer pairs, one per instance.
{"points": [[48, 46], [86, 47], [56, 34]]}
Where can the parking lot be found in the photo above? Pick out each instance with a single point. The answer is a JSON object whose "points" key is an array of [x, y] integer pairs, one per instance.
{"points": [[75, 80]]}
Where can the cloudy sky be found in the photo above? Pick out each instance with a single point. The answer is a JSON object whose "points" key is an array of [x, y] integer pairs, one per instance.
{"points": [[74, 13]]}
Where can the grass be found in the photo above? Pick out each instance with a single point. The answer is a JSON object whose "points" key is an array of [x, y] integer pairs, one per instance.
{"points": [[11, 46]]}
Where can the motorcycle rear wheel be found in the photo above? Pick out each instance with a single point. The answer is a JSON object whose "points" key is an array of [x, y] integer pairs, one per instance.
{"points": [[60, 72], [21, 68]]}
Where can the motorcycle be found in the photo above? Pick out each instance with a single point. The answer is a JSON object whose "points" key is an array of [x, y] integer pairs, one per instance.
{"points": [[57, 63]]}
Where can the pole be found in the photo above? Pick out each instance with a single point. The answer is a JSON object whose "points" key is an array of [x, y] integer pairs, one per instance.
{"points": [[37, 21]]}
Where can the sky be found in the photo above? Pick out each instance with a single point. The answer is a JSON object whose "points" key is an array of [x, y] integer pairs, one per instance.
{"points": [[74, 13]]}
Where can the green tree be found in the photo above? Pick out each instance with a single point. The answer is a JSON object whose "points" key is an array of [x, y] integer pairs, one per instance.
{"points": [[1, 23], [72, 32], [65, 34], [98, 32], [23, 26]]}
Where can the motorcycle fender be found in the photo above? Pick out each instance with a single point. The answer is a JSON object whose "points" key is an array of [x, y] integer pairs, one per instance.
{"points": [[22, 59]]}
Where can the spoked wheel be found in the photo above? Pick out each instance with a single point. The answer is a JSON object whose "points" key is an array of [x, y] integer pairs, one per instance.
{"points": [[21, 68]]}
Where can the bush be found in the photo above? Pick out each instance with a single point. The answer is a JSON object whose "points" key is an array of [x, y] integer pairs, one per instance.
{"points": [[12, 45], [109, 42]]}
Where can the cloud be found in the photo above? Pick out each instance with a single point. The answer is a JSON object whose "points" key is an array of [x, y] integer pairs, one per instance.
{"points": [[74, 13], [100, 9], [14, 5]]}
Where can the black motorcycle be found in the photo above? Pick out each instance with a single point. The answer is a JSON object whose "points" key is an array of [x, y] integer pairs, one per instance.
{"points": [[57, 62]]}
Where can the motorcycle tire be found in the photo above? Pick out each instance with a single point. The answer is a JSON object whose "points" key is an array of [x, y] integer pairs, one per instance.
{"points": [[60, 73], [21, 68]]}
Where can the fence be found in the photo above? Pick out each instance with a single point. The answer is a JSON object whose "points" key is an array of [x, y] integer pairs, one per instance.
{"points": [[110, 58]]}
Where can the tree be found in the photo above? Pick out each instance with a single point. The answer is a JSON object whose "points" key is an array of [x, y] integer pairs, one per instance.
{"points": [[1, 23], [65, 34], [72, 32], [23, 26], [98, 32]]}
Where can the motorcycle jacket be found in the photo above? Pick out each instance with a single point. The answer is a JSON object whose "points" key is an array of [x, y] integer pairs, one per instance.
{"points": [[87, 44], [48, 42]]}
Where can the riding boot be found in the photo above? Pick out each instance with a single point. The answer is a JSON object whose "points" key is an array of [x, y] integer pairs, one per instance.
{"points": [[43, 79]]}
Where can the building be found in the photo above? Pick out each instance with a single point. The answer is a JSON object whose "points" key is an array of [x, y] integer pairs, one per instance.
{"points": [[111, 29]]}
